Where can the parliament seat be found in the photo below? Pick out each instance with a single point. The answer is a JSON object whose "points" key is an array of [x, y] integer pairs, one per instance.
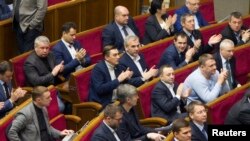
{"points": [[53, 2]]}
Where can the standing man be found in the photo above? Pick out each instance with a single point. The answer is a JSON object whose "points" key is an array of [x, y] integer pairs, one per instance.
{"points": [[28, 16], [177, 54], [8, 96], [32, 122], [135, 61], [235, 30], [192, 7], [106, 77], [206, 82], [197, 113], [70, 51], [225, 60], [122, 26], [168, 98], [181, 130], [107, 131]]}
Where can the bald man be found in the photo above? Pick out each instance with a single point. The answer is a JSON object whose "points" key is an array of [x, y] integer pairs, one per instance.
{"points": [[122, 26]]}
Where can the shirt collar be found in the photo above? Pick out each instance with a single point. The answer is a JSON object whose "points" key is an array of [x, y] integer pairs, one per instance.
{"points": [[170, 86], [111, 129], [137, 58], [187, 32], [120, 26], [110, 66], [1, 82], [66, 43], [223, 59], [199, 125]]}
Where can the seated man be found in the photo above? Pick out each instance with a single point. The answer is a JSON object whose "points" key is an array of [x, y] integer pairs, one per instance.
{"points": [[8, 96], [5, 11], [40, 67], [135, 61], [235, 30], [106, 77], [130, 127], [181, 130], [206, 82], [195, 39], [225, 60], [192, 7], [239, 112], [107, 130], [197, 112], [70, 51], [177, 54], [122, 26], [32, 122], [168, 101]]}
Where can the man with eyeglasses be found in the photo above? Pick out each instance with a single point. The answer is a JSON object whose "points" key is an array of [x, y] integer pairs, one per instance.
{"points": [[192, 7], [135, 61], [107, 130], [197, 112]]}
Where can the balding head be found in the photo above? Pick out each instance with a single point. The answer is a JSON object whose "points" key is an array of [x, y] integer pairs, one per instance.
{"points": [[227, 49], [121, 15]]}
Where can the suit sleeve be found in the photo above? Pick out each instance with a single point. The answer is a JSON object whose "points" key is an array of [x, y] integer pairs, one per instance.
{"points": [[40, 13], [17, 125], [169, 59], [177, 25], [7, 106], [244, 115], [7, 14], [108, 36]]}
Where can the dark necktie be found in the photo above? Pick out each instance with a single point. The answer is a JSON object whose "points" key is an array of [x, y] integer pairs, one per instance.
{"points": [[229, 78], [205, 133], [237, 35], [125, 31], [7, 92], [16, 10]]}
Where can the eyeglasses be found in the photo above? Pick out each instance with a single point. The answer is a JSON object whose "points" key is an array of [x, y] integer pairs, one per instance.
{"points": [[133, 46]]}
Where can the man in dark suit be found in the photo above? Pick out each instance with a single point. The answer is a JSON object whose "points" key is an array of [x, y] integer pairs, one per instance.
{"points": [[181, 130], [225, 60], [70, 51], [106, 76], [168, 101], [7, 95], [135, 61], [40, 67], [195, 38], [122, 26], [107, 130], [192, 7], [240, 112], [177, 54], [130, 128], [28, 17], [197, 113], [5, 11], [235, 30], [32, 122]]}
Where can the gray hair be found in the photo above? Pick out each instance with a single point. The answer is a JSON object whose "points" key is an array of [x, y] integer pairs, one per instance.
{"points": [[124, 91], [226, 43], [41, 39], [129, 38]]}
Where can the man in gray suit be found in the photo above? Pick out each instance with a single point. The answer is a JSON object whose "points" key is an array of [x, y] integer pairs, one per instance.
{"points": [[28, 16], [32, 122]]}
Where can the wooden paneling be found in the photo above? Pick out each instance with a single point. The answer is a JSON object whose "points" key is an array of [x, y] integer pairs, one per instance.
{"points": [[132, 5], [97, 12]]}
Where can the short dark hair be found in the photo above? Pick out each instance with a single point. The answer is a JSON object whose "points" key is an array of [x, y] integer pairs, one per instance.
{"points": [[181, 34], [163, 67], [38, 91], [67, 26], [155, 4], [110, 110], [5, 66], [106, 50], [184, 16], [204, 57], [235, 14], [191, 105], [178, 124]]}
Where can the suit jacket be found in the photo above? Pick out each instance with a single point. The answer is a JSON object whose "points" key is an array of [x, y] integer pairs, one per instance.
{"points": [[111, 34], [127, 62], [37, 73], [203, 48], [153, 30], [178, 27], [164, 104], [5, 11], [31, 14], [197, 135], [61, 53], [101, 85], [102, 133], [171, 57], [228, 33], [7, 104], [232, 63], [25, 126], [239, 112], [130, 127]]}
